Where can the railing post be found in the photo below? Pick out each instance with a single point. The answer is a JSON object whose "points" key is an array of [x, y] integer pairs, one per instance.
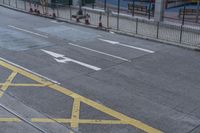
{"points": [[105, 2], [25, 5], [181, 34], [108, 14], [57, 6], [183, 20], [118, 11], [136, 31], [158, 27], [70, 12], [133, 6], [16, 3]]}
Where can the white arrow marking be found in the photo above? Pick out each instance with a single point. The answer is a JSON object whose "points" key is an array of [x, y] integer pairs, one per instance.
{"points": [[125, 45], [62, 59]]}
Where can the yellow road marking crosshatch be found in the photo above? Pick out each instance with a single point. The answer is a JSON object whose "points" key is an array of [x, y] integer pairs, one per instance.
{"points": [[75, 120]]}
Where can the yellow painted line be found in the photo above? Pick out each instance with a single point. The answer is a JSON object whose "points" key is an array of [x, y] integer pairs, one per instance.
{"points": [[109, 122], [75, 113], [46, 120], [8, 82], [10, 120], [131, 121], [1, 93], [24, 85], [80, 121]]}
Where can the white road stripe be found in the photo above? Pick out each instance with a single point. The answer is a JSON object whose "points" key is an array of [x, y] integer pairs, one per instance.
{"points": [[114, 56], [34, 33], [128, 46], [63, 59], [28, 70], [54, 21]]}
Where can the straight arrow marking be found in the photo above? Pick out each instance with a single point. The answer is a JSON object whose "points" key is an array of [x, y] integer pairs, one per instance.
{"points": [[125, 45], [62, 59]]}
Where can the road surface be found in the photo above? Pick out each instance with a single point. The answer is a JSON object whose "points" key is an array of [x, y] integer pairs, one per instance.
{"points": [[57, 77]]}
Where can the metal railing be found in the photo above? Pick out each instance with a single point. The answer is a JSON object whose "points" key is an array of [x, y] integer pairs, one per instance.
{"points": [[179, 34]]}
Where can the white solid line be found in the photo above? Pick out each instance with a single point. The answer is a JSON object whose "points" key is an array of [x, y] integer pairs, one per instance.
{"points": [[37, 34], [129, 46], [54, 21], [85, 65], [99, 52], [28, 70], [112, 32]]}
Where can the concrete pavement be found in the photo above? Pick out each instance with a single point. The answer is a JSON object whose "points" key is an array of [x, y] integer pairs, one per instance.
{"points": [[160, 89]]}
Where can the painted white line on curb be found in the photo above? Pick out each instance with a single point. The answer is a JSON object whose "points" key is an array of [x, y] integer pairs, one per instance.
{"points": [[28, 70], [27, 31], [100, 52], [125, 45]]}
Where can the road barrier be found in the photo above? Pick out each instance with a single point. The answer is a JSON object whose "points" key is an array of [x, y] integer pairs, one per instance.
{"points": [[178, 34]]}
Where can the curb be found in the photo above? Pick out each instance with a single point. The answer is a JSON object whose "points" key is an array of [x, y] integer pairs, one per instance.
{"points": [[107, 29]]}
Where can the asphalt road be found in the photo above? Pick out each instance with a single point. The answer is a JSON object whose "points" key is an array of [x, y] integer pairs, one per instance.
{"points": [[156, 84]]}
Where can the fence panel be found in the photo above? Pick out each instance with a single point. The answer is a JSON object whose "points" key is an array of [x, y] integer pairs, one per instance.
{"points": [[169, 32], [12, 3], [113, 21], [191, 36], [147, 28], [127, 25], [6, 2]]}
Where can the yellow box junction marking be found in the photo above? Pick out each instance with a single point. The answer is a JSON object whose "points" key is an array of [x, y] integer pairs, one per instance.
{"points": [[75, 121], [7, 83]]}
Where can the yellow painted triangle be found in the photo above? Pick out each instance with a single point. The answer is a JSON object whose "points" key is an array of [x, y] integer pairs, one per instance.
{"points": [[78, 98]]}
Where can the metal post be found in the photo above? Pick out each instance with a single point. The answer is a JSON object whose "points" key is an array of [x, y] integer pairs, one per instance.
{"points": [[16, 3], [149, 9], [133, 13], [92, 5], [158, 27], [136, 26], [25, 5], [108, 18], [181, 34], [183, 20], [70, 12], [198, 8], [57, 6], [118, 11], [105, 4]]}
